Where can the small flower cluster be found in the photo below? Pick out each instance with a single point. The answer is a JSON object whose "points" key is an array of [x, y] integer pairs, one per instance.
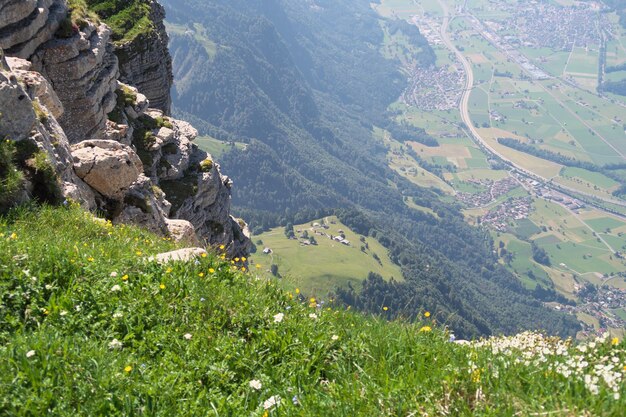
{"points": [[596, 363]]}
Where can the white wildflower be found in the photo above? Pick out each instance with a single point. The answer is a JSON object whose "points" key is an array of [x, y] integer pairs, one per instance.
{"points": [[113, 274], [117, 315], [116, 288], [335, 337], [255, 384], [187, 336], [63, 313], [115, 344], [30, 353], [313, 316], [278, 317], [273, 401]]}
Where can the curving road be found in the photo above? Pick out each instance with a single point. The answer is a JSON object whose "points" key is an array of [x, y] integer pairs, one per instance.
{"points": [[465, 116]]}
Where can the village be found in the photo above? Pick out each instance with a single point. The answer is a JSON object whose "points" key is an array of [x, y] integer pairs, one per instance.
{"points": [[512, 208], [493, 190], [599, 303], [545, 25], [434, 88]]}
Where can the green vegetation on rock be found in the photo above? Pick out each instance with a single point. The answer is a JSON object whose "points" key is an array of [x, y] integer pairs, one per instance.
{"points": [[127, 19]]}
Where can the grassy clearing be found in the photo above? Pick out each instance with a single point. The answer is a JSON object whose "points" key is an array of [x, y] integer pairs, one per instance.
{"points": [[198, 32], [199, 338], [319, 269], [217, 147]]}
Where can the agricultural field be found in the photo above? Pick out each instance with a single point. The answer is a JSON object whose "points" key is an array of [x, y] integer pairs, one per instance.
{"points": [[299, 265], [561, 116]]}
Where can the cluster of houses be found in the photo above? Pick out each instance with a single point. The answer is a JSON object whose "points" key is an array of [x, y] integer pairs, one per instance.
{"points": [[493, 190], [546, 25], [434, 88], [602, 305], [513, 208]]}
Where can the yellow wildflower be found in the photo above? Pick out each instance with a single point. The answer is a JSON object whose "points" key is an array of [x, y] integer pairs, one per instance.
{"points": [[90, 259], [162, 286], [385, 308], [128, 368], [243, 259], [168, 270], [13, 236], [425, 329], [312, 300], [427, 314], [615, 341], [236, 259], [258, 266], [297, 291], [211, 271], [138, 253], [201, 274], [203, 255], [222, 247], [125, 278], [243, 268], [476, 375], [223, 256]]}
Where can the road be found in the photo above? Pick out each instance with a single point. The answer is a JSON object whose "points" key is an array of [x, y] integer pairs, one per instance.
{"points": [[465, 116]]}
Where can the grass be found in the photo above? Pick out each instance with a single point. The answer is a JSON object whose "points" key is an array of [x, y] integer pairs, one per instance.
{"points": [[11, 179], [127, 19], [200, 338], [217, 147], [320, 268]]}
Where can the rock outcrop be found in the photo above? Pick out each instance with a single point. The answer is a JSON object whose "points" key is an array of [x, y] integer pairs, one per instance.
{"points": [[145, 62], [27, 24], [83, 136], [108, 167], [84, 72], [26, 121]]}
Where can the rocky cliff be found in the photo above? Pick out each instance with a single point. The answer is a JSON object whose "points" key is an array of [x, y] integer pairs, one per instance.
{"points": [[145, 61], [71, 130]]}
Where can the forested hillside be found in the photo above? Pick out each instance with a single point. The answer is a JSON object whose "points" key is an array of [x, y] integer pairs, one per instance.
{"points": [[303, 83]]}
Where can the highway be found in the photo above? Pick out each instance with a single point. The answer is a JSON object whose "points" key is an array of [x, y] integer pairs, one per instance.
{"points": [[465, 117]]}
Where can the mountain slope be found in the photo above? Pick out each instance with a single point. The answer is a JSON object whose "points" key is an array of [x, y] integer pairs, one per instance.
{"points": [[304, 84], [96, 329]]}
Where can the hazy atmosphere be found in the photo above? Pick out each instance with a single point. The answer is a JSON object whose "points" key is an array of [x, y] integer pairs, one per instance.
{"points": [[312, 207]]}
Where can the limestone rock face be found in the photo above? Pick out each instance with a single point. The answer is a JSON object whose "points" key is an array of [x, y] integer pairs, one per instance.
{"points": [[141, 166], [18, 117], [83, 71], [108, 167], [27, 24], [37, 86], [181, 255], [145, 205], [145, 62], [203, 198], [183, 231], [42, 133]]}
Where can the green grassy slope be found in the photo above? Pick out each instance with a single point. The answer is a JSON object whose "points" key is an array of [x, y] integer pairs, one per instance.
{"points": [[89, 327], [319, 269]]}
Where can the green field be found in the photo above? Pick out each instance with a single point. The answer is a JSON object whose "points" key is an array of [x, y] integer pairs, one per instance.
{"points": [[217, 147], [528, 271], [198, 32], [318, 269]]}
